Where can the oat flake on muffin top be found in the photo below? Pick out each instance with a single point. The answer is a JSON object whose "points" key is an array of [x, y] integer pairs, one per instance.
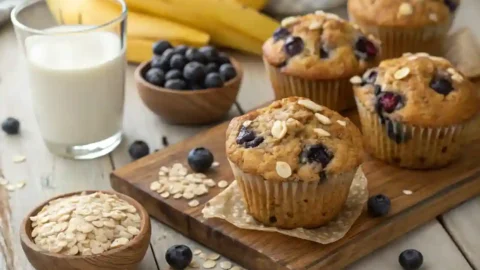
{"points": [[294, 139], [404, 13], [418, 89], [321, 46]]}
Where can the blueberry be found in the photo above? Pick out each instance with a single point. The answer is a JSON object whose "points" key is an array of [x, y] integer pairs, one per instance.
{"points": [[365, 49], [213, 80], [200, 159], [160, 62], [178, 61], [155, 76], [324, 53], [228, 72], [378, 205], [316, 153], [176, 84], [388, 102], [11, 126], [210, 53], [255, 142], [179, 257], [280, 33], [138, 149], [223, 59], [395, 132], [451, 4], [377, 89], [441, 84], [173, 74], [193, 55], [371, 76], [411, 259], [161, 46], [293, 45], [194, 72], [245, 135], [211, 67], [180, 49]]}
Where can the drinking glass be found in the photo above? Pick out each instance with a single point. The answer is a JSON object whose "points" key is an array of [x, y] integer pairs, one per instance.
{"points": [[75, 58]]}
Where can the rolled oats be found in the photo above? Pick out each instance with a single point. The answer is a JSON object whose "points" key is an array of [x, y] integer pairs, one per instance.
{"points": [[222, 184], [209, 264]]}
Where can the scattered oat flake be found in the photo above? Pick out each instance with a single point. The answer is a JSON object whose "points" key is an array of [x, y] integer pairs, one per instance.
{"points": [[193, 264], [19, 159], [407, 192], [213, 256], [165, 194], [209, 264], [177, 196], [222, 184], [155, 185], [193, 203], [197, 252], [236, 268], [226, 265], [215, 164]]}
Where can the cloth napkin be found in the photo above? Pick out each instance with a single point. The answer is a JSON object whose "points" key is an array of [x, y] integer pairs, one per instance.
{"points": [[6, 7]]}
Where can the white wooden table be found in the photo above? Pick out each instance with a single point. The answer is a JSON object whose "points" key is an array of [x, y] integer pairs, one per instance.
{"points": [[452, 241]]}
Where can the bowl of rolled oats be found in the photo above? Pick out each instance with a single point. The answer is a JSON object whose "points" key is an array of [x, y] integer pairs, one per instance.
{"points": [[86, 230]]}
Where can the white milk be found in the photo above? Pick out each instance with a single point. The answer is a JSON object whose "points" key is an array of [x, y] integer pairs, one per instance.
{"points": [[77, 83]]}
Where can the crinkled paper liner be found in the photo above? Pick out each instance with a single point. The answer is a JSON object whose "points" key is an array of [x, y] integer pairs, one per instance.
{"points": [[229, 205], [334, 94], [416, 147]]}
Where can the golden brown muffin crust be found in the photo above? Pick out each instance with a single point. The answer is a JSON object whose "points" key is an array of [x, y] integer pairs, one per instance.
{"points": [[413, 78], [320, 30], [402, 13], [344, 142]]}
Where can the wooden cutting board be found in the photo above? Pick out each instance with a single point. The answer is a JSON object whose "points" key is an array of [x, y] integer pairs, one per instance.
{"points": [[434, 192]]}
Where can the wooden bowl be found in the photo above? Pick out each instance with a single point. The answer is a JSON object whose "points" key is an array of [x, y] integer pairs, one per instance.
{"points": [[124, 257], [188, 107]]}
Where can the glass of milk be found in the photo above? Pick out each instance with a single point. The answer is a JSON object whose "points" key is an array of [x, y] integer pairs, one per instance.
{"points": [[75, 57]]}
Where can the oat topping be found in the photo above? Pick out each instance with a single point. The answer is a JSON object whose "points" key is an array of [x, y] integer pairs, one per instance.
{"points": [[405, 9], [323, 119], [401, 73], [433, 17], [321, 132], [247, 123], [342, 123], [356, 80], [289, 21], [315, 26], [85, 224], [283, 169], [279, 129], [307, 103]]}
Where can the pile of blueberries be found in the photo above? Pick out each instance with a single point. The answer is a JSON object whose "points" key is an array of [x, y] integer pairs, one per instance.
{"points": [[187, 68]]}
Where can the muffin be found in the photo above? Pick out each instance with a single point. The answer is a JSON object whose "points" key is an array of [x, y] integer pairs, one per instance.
{"points": [[294, 162], [405, 26], [314, 55], [416, 111]]}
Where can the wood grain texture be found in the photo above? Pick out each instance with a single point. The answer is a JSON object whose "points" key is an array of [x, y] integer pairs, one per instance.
{"points": [[125, 257], [430, 198]]}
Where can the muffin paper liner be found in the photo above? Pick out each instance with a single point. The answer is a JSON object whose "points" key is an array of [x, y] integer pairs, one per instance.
{"points": [[399, 40], [412, 146], [230, 206], [334, 94]]}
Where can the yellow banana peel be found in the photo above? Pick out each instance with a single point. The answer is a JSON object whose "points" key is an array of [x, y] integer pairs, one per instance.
{"points": [[255, 4]]}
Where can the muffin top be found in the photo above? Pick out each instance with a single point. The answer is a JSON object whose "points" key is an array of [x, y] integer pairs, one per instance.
{"points": [[404, 13], [418, 89], [321, 46], [294, 139]]}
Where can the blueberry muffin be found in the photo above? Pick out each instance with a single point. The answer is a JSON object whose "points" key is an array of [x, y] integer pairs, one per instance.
{"points": [[314, 55], [405, 25], [416, 111], [294, 162]]}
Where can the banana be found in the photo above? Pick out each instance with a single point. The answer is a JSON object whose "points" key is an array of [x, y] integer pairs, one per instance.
{"points": [[220, 33], [140, 49], [255, 4]]}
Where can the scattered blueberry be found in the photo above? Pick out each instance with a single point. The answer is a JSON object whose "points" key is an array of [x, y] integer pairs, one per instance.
{"points": [[228, 72], [11, 126], [194, 55], [177, 84], [280, 33], [161, 46], [194, 71], [200, 159], [441, 84], [165, 141], [388, 102], [180, 49], [365, 49], [255, 142], [210, 53], [138, 149], [160, 62], [324, 53], [211, 67], [178, 61], [223, 59], [411, 259], [451, 4], [213, 80], [155, 76], [316, 153], [173, 74], [179, 257], [293, 45], [245, 135], [378, 205]]}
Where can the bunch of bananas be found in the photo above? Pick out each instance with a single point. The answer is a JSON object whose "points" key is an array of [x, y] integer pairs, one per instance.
{"points": [[234, 24]]}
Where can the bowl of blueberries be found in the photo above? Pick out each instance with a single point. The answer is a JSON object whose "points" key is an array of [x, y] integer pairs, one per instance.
{"points": [[187, 85]]}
